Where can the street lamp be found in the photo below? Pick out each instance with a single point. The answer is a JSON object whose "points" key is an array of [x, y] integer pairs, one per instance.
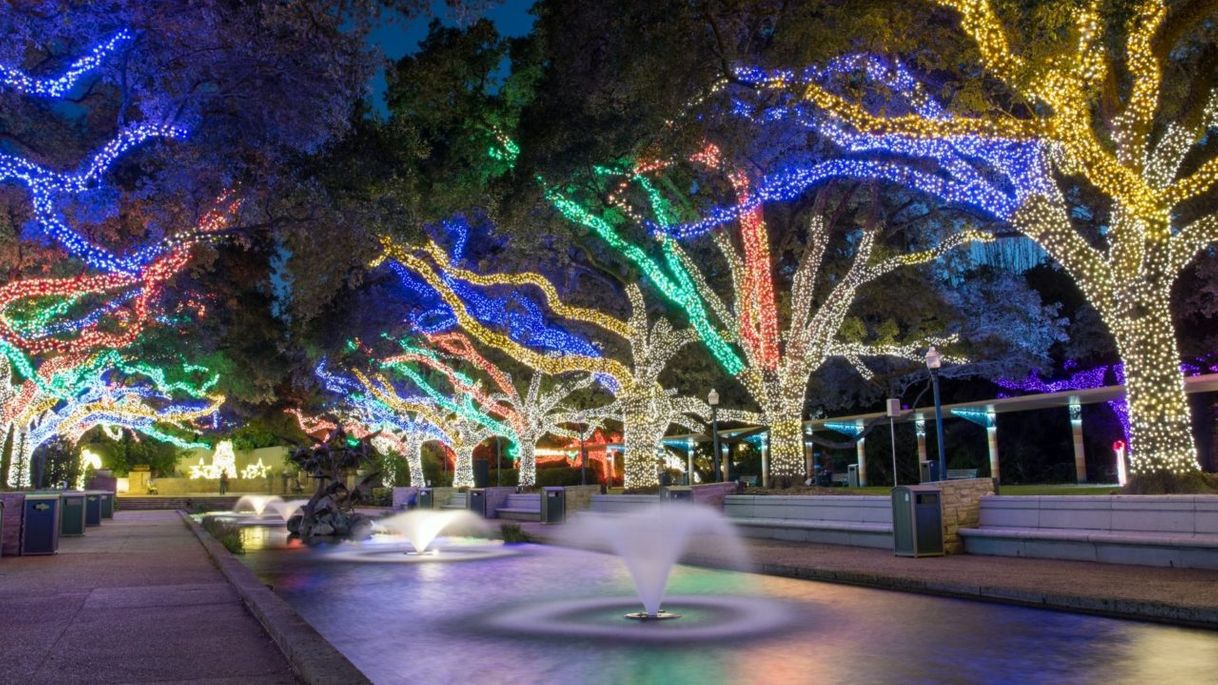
{"points": [[933, 361], [712, 398]]}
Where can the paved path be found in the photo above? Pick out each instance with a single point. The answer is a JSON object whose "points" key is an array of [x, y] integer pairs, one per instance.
{"points": [[1172, 595], [134, 601]]}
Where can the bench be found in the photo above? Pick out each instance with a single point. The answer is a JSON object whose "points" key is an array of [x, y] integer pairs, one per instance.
{"points": [[961, 474], [750, 481], [1145, 530], [526, 507], [854, 520]]}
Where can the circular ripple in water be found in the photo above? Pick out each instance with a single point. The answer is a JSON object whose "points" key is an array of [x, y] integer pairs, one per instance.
{"points": [[706, 617], [249, 519], [404, 553]]}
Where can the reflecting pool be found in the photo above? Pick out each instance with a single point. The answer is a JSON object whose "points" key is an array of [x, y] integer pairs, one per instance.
{"points": [[419, 623]]}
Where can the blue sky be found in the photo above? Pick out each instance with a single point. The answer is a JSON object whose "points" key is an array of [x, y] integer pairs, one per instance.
{"points": [[400, 37]]}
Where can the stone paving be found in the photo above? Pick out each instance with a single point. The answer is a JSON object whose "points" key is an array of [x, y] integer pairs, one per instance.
{"points": [[1171, 595], [136, 600]]}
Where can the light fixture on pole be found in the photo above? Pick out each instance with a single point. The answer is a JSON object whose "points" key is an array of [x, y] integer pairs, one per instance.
{"points": [[933, 361], [712, 398]]}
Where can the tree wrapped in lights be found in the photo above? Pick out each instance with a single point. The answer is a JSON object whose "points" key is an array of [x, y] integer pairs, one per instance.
{"points": [[645, 408], [774, 366], [70, 395], [1123, 145], [532, 415]]}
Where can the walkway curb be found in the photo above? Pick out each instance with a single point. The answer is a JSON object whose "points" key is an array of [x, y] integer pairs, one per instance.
{"points": [[314, 659], [1156, 612]]}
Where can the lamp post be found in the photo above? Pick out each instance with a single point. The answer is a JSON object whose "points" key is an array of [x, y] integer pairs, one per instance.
{"points": [[712, 398], [933, 361]]}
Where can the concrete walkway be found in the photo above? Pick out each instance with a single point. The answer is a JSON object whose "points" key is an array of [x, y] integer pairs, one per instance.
{"points": [[134, 601], [1169, 595]]}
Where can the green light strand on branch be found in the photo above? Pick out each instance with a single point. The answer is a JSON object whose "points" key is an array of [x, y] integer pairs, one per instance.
{"points": [[681, 292]]}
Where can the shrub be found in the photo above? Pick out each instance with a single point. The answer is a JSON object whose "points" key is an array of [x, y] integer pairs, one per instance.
{"points": [[225, 533], [513, 533]]}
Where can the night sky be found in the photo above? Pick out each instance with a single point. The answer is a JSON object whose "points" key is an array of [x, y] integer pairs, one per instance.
{"points": [[399, 37]]}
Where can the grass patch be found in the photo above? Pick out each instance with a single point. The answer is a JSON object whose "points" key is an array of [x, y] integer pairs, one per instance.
{"points": [[224, 533]]}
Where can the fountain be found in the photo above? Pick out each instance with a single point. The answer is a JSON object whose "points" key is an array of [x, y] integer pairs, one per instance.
{"points": [[257, 503], [650, 542], [421, 528], [260, 510]]}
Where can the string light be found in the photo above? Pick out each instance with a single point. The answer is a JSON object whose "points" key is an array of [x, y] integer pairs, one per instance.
{"points": [[1009, 167], [644, 407], [59, 86]]}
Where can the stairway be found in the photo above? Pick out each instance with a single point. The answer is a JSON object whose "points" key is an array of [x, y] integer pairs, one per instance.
{"points": [[458, 500], [186, 502]]}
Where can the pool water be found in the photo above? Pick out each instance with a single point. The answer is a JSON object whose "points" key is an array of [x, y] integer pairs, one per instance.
{"points": [[434, 623]]}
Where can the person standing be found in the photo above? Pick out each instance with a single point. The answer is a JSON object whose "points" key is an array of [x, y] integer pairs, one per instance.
{"points": [[224, 482]]}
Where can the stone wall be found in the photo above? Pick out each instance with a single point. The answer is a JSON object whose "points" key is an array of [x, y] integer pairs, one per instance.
{"points": [[579, 497], [961, 508], [10, 528], [712, 494], [197, 486]]}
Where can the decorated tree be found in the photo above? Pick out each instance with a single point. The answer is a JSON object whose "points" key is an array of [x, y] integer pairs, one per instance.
{"points": [[1063, 116], [744, 333], [532, 415], [644, 406]]}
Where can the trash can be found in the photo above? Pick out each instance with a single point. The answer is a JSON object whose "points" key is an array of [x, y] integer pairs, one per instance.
{"points": [[40, 524], [928, 471], [92, 508], [426, 499], [107, 504], [72, 517], [475, 501], [553, 504], [917, 521], [852, 475], [679, 493]]}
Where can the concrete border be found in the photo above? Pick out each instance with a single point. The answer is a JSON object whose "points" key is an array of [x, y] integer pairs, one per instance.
{"points": [[1137, 610], [310, 655]]}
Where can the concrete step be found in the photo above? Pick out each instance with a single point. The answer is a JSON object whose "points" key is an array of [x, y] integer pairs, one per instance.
{"points": [[514, 514], [216, 503]]}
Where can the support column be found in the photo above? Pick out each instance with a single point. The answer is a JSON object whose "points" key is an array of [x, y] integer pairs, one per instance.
{"points": [[861, 446], [920, 432], [1076, 428], [765, 462], [809, 455], [689, 461], [991, 440]]}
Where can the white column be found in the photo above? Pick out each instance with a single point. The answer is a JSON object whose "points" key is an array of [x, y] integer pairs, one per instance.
{"points": [[765, 462], [861, 446], [1076, 429], [991, 440], [920, 431], [689, 462]]}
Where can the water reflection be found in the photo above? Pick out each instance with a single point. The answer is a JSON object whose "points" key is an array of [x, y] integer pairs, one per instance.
{"points": [[417, 623]]}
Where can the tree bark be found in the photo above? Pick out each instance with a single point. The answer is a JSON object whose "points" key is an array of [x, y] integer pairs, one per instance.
{"points": [[1160, 424]]}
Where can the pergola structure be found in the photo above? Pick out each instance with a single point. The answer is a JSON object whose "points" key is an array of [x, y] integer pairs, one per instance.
{"points": [[982, 412]]}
